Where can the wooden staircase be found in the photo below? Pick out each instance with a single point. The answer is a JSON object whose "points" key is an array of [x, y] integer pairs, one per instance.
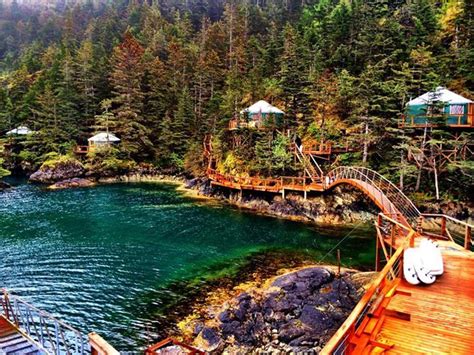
{"points": [[310, 165], [12, 341]]}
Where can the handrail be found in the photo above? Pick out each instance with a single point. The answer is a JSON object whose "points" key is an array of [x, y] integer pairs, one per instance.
{"points": [[310, 165], [438, 215], [451, 232], [54, 335], [340, 340], [386, 188]]}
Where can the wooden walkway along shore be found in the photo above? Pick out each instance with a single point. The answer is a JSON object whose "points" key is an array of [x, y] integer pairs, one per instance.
{"points": [[392, 315]]}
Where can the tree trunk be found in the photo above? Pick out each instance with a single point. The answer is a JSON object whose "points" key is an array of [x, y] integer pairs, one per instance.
{"points": [[366, 142], [402, 169], [418, 179], [436, 178]]}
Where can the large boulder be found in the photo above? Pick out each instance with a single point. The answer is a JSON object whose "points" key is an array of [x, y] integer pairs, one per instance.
{"points": [[60, 169], [71, 183]]}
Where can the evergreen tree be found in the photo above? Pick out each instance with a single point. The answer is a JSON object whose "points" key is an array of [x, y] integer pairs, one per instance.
{"points": [[126, 78]]}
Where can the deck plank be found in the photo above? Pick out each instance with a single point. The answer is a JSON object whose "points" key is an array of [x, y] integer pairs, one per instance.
{"points": [[441, 315]]}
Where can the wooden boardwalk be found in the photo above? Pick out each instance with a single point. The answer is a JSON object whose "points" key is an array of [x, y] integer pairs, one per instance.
{"points": [[392, 316], [441, 315]]}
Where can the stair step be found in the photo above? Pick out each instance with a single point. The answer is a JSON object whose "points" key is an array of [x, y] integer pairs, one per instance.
{"points": [[13, 335], [14, 342], [7, 334], [19, 348], [30, 349]]}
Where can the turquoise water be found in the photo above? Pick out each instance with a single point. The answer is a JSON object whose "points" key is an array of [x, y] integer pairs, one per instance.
{"points": [[98, 257]]}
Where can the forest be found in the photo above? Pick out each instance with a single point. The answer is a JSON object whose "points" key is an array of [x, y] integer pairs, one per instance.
{"points": [[161, 75]]}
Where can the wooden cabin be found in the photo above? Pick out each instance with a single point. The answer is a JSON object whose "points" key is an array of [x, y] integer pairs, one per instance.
{"points": [[440, 107], [258, 116], [100, 140]]}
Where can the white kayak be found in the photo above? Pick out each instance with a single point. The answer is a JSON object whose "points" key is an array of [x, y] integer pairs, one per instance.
{"points": [[432, 258], [414, 270]]}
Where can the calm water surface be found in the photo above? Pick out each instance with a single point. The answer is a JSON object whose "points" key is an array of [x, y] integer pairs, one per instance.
{"points": [[94, 256]]}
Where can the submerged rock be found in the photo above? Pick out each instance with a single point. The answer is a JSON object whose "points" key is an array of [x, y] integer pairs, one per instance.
{"points": [[4, 185], [58, 170], [72, 183]]}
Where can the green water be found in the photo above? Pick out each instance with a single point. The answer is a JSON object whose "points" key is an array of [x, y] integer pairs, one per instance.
{"points": [[98, 257]]}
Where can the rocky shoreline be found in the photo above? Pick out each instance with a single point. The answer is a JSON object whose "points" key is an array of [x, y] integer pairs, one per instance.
{"points": [[342, 206], [297, 311]]}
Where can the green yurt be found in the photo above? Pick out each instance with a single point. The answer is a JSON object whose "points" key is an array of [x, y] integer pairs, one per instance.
{"points": [[441, 107]]}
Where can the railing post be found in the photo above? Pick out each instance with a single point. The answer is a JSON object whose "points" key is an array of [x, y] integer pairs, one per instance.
{"points": [[419, 225], [467, 238], [443, 226], [56, 335], [377, 244]]}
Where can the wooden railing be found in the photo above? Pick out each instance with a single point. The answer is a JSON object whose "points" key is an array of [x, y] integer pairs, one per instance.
{"points": [[446, 227], [345, 340], [178, 348], [317, 148], [81, 149], [425, 120], [237, 123], [254, 183], [382, 190], [99, 346]]}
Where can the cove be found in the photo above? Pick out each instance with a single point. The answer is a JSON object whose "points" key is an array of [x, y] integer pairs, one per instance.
{"points": [[111, 258]]}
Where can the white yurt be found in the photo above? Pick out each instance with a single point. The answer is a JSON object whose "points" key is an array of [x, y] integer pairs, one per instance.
{"points": [[19, 131], [103, 139]]}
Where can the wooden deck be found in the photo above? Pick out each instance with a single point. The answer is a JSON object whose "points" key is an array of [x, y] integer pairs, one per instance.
{"points": [[437, 318]]}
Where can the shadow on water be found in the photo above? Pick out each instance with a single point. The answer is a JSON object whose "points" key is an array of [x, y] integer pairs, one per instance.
{"points": [[127, 260]]}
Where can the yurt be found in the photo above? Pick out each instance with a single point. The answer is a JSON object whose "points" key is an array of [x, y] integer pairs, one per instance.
{"points": [[440, 106]]}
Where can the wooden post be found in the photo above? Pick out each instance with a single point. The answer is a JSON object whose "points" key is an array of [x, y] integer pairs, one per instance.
{"points": [[392, 238], [377, 244], [283, 193], [338, 262], [443, 226], [99, 346], [467, 238], [419, 227], [305, 194]]}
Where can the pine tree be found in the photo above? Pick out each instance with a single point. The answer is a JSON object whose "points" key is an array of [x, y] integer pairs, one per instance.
{"points": [[294, 78], [126, 78]]}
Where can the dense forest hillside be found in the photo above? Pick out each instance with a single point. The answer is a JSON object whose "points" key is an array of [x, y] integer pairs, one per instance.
{"points": [[163, 74]]}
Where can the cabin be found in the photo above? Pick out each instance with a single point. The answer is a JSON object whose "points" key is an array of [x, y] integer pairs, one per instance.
{"points": [[100, 140], [19, 131], [260, 115], [440, 107]]}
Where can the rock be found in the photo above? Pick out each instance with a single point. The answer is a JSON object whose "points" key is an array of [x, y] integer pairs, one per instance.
{"points": [[314, 318], [208, 339], [71, 183], [291, 330], [58, 170], [226, 316], [4, 185], [299, 311], [285, 281]]}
